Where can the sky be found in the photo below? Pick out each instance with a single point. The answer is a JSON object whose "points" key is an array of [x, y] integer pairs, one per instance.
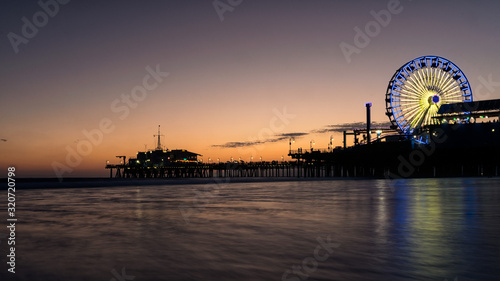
{"points": [[84, 81]]}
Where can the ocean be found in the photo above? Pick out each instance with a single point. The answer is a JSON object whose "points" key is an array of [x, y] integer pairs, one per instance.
{"points": [[407, 229]]}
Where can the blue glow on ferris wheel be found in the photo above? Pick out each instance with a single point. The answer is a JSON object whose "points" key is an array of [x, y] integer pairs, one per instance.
{"points": [[435, 99], [419, 88]]}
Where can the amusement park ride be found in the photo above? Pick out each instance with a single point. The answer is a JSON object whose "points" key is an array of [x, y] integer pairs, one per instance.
{"points": [[425, 92], [434, 132], [417, 91]]}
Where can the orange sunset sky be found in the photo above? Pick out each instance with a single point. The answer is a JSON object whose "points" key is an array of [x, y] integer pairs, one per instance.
{"points": [[226, 78]]}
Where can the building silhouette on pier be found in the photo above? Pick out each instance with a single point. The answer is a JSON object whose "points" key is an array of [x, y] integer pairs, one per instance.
{"points": [[432, 135]]}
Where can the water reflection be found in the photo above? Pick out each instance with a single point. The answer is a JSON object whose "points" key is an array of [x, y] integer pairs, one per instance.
{"points": [[423, 229]]}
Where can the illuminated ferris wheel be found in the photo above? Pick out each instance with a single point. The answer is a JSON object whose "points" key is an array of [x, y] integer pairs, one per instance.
{"points": [[419, 88]]}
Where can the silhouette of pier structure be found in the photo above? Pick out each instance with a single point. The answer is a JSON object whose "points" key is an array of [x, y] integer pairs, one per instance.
{"points": [[462, 148], [180, 163], [223, 170]]}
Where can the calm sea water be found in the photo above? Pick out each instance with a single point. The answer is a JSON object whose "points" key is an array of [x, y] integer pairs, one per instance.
{"points": [[419, 229]]}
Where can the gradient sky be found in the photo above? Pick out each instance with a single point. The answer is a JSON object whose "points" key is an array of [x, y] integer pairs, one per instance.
{"points": [[226, 78]]}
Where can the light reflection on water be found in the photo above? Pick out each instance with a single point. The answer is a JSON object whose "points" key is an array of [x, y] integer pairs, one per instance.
{"points": [[420, 229]]}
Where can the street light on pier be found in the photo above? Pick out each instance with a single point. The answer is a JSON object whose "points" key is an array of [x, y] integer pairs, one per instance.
{"points": [[292, 140]]}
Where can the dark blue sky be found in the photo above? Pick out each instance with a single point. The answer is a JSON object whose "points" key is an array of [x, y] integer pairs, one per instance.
{"points": [[226, 77]]}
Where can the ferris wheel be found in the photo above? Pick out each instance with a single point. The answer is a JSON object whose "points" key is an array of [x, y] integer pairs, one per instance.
{"points": [[418, 89]]}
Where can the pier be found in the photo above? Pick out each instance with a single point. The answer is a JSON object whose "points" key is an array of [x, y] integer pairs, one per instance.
{"points": [[225, 170], [457, 153], [460, 139]]}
